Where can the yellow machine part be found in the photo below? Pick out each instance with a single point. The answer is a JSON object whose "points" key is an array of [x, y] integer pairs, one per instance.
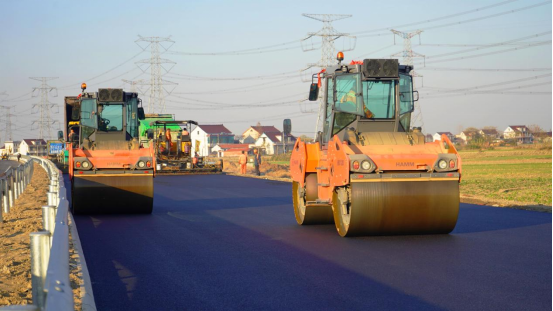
{"points": [[396, 207], [113, 194]]}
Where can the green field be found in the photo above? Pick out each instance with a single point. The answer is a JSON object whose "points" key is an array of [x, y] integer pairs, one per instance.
{"points": [[507, 176]]}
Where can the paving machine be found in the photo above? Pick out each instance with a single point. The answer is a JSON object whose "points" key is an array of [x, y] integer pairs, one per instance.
{"points": [[110, 171], [368, 171], [173, 149]]}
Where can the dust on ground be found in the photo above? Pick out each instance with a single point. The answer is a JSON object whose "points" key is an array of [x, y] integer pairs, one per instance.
{"points": [[24, 217]]}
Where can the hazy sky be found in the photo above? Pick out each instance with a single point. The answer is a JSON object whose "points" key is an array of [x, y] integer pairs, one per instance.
{"points": [[80, 41]]}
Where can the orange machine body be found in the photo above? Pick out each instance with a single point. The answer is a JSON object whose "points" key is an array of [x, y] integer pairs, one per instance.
{"points": [[332, 162]]}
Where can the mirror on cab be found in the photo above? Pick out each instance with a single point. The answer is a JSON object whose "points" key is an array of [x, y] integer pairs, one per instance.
{"points": [[313, 91], [141, 115], [150, 133], [60, 135]]}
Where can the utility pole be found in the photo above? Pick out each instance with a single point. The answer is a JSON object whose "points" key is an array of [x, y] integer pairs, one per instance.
{"points": [[408, 54], [158, 67], [328, 52], [45, 122]]}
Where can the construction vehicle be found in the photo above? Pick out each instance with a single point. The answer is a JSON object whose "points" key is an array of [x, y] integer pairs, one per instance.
{"points": [[173, 149], [110, 172], [368, 171]]}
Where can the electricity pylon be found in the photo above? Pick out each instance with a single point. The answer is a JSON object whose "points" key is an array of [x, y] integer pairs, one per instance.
{"points": [[45, 122], [7, 114], [328, 52], [158, 67], [408, 54]]}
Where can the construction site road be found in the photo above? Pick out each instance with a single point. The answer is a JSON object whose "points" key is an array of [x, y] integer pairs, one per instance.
{"points": [[217, 242]]}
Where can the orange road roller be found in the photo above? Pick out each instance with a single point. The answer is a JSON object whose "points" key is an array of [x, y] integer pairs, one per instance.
{"points": [[369, 171], [110, 171]]}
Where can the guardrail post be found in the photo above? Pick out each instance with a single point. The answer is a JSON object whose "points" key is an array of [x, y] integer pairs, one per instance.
{"points": [[10, 191], [40, 254], [49, 220], [5, 196], [52, 198]]}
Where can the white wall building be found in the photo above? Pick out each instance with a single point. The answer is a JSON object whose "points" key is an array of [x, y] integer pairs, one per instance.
{"points": [[205, 137], [36, 147]]}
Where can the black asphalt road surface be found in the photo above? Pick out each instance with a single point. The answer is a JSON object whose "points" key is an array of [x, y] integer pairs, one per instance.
{"points": [[218, 242]]}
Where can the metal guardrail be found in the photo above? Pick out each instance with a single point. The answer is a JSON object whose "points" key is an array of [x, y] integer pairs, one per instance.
{"points": [[51, 288]]}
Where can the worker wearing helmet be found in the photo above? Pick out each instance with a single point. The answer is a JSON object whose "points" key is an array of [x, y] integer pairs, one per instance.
{"points": [[351, 97]]}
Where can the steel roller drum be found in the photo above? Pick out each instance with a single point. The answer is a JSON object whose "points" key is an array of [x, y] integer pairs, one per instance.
{"points": [[113, 194], [310, 215], [393, 208]]}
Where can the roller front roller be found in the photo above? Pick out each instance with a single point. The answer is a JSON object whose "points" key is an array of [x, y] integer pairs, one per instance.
{"points": [[309, 214], [395, 208], [115, 194]]}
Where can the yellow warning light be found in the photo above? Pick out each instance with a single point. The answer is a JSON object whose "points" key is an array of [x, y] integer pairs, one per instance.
{"points": [[83, 86], [340, 56]]}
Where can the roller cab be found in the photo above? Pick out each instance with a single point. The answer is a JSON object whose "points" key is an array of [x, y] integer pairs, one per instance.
{"points": [[110, 171], [369, 172]]}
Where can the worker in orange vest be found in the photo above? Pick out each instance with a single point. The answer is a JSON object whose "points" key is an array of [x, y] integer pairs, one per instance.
{"points": [[242, 160]]}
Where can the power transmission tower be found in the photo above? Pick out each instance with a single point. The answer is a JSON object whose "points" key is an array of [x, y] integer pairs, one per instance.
{"points": [[158, 67], [133, 84], [45, 121], [408, 54], [6, 113], [328, 52]]}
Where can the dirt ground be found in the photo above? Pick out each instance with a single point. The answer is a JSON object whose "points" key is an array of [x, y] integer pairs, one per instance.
{"points": [[15, 255]]}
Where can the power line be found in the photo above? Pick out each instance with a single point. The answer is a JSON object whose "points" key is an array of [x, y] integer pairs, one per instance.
{"points": [[103, 73], [262, 77], [484, 69], [494, 45], [468, 20], [493, 84], [438, 18], [237, 52], [489, 53]]}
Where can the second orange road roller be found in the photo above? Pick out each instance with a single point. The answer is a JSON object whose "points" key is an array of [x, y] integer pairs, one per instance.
{"points": [[110, 171], [369, 172]]}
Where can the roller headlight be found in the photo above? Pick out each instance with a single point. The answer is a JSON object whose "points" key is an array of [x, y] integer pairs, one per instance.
{"points": [[141, 164], [85, 164], [366, 165], [442, 164]]}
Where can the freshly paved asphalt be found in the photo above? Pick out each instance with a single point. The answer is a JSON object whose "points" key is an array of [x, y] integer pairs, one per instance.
{"points": [[219, 242]]}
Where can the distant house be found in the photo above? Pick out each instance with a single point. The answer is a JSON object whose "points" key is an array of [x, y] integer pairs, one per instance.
{"points": [[11, 147], [272, 143], [520, 133], [466, 136], [428, 138], [489, 133], [438, 136], [256, 131], [34, 147], [225, 150], [542, 136], [205, 137]]}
